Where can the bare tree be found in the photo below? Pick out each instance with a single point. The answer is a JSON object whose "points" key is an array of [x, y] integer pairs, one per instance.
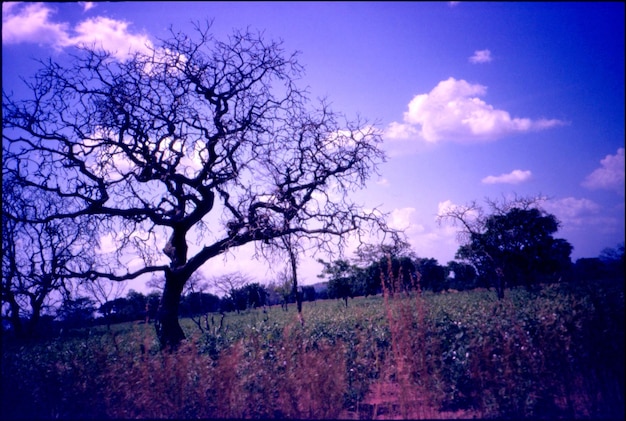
{"points": [[185, 153], [103, 291], [38, 259], [226, 283]]}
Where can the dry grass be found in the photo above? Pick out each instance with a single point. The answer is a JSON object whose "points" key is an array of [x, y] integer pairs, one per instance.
{"points": [[405, 356], [295, 382]]}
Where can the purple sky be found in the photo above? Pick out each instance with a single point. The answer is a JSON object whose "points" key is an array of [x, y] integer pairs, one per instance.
{"points": [[474, 100]]}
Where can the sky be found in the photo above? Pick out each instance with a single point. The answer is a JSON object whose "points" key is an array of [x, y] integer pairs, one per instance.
{"points": [[474, 100]]}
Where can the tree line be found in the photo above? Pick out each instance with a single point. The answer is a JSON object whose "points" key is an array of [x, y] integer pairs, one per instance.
{"points": [[396, 267]]}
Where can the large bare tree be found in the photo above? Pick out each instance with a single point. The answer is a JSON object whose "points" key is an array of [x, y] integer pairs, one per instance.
{"points": [[187, 152]]}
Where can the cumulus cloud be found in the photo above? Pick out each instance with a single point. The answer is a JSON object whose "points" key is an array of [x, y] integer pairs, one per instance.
{"points": [[111, 35], [445, 207], [481, 56], [571, 209], [454, 111], [400, 219], [87, 5], [610, 175], [514, 177], [576, 214], [33, 23]]}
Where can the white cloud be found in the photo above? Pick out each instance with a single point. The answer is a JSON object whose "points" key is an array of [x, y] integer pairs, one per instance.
{"points": [[445, 206], [453, 111], [610, 175], [514, 177], [481, 56], [112, 35], [87, 5], [400, 219], [32, 23], [572, 211]]}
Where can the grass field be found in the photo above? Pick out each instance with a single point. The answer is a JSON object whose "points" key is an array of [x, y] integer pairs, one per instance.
{"points": [[554, 353]]}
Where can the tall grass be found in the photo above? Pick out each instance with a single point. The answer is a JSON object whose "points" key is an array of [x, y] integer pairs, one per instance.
{"points": [[554, 353]]}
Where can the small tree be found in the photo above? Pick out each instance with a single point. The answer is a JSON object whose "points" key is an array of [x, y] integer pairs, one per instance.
{"points": [[341, 279], [462, 276], [76, 312], [38, 259], [432, 274]]}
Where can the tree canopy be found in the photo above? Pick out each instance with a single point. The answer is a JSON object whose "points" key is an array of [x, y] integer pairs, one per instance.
{"points": [[181, 154], [513, 245]]}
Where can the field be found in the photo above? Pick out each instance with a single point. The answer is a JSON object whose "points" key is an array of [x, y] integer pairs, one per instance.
{"points": [[553, 353]]}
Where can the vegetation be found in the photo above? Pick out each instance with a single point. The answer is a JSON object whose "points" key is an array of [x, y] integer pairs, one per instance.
{"points": [[513, 244], [556, 352]]}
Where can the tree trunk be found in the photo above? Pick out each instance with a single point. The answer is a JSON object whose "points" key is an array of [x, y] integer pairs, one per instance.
{"points": [[294, 275], [168, 328], [500, 283]]}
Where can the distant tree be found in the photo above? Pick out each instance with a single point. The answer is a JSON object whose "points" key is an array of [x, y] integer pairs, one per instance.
{"points": [[274, 295], [76, 312], [132, 307], [590, 268], [207, 142], [463, 276], [228, 282], [249, 296], [341, 288], [198, 305], [308, 293], [135, 308], [341, 276], [391, 263], [608, 265], [103, 291], [38, 259], [513, 245], [432, 274], [613, 259], [152, 305]]}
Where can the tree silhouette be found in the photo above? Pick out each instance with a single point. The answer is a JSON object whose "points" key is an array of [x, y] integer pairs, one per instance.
{"points": [[38, 259], [512, 245], [182, 154]]}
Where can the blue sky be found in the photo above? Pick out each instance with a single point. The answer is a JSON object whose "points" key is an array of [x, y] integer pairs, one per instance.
{"points": [[474, 100]]}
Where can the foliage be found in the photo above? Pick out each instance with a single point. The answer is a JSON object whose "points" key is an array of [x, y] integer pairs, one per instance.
{"points": [[76, 312], [513, 245], [248, 296], [553, 353], [341, 279]]}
